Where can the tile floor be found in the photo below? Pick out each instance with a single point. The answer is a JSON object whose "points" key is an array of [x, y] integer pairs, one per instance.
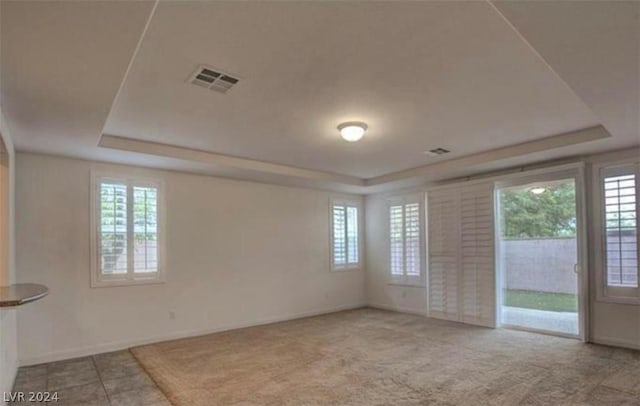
{"points": [[114, 379]]}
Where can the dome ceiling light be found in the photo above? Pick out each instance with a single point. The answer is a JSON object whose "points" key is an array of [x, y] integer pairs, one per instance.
{"points": [[352, 131]]}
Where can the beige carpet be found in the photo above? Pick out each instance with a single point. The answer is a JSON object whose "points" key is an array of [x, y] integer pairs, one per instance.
{"points": [[374, 357]]}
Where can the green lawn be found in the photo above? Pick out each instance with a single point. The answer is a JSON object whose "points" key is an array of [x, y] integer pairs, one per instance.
{"points": [[529, 299]]}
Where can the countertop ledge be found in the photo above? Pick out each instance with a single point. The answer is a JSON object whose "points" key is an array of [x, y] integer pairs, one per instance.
{"points": [[21, 293]]}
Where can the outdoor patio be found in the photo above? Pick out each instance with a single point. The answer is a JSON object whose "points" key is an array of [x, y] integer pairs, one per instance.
{"points": [[560, 322]]}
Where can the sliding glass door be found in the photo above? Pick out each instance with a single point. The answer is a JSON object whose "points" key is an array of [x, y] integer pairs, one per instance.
{"points": [[538, 244]]}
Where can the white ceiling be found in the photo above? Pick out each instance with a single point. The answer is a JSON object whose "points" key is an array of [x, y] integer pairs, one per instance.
{"points": [[595, 47], [62, 64], [421, 74], [466, 76]]}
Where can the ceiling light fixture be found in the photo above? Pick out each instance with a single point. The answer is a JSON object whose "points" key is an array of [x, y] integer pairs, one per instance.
{"points": [[538, 190], [352, 131]]}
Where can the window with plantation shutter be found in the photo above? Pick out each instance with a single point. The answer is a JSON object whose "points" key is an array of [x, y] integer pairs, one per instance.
{"points": [[619, 202], [461, 263], [345, 231], [126, 235], [405, 241]]}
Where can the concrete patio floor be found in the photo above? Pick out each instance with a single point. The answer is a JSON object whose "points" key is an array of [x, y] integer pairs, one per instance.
{"points": [[561, 322]]}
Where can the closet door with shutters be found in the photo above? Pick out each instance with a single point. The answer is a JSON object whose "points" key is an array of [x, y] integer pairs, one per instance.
{"points": [[443, 226], [477, 261], [461, 254]]}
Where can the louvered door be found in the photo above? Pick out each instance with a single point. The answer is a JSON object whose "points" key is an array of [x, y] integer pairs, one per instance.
{"points": [[477, 262], [461, 254], [443, 211]]}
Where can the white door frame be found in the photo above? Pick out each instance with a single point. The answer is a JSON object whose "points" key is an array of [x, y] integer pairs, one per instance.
{"points": [[575, 172]]}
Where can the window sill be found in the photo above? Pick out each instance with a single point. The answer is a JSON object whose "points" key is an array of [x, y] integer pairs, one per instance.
{"points": [[126, 282], [407, 284], [347, 269], [629, 301]]}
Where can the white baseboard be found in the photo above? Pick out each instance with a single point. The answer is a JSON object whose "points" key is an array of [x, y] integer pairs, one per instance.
{"points": [[124, 344], [398, 309], [615, 342]]}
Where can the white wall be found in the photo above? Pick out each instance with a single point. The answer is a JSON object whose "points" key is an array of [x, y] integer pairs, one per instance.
{"points": [[238, 253], [615, 324], [380, 292], [8, 330]]}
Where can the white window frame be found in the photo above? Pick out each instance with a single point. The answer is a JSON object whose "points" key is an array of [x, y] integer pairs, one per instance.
{"points": [[97, 278], [340, 201], [575, 171], [604, 292], [407, 280]]}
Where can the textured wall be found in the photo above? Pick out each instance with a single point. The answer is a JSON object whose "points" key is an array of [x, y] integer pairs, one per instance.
{"points": [[544, 265]]}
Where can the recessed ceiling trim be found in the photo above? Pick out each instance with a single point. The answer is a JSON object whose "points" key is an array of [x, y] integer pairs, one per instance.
{"points": [[542, 144], [188, 154], [172, 151], [131, 61]]}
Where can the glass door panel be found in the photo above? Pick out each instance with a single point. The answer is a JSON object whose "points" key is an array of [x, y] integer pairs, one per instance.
{"points": [[538, 257]]}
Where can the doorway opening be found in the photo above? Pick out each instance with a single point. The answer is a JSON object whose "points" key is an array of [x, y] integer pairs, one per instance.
{"points": [[538, 257]]}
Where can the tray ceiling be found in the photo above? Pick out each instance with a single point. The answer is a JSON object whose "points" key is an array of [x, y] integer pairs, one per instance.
{"points": [[469, 77]]}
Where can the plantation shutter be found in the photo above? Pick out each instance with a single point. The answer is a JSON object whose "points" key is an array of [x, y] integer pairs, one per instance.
{"points": [[126, 225], [112, 227], [396, 237], [412, 239], [405, 240], [443, 239], [352, 236], [620, 219], [477, 256], [461, 254], [145, 229], [344, 235], [339, 235]]}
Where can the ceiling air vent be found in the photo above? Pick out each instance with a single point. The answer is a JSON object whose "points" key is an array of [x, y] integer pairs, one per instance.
{"points": [[437, 151], [213, 79]]}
